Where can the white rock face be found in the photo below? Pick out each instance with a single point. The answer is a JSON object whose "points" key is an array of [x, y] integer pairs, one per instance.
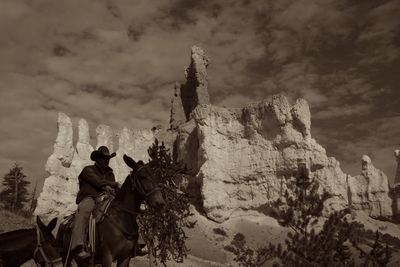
{"points": [[395, 191], [240, 158], [105, 136], [63, 149], [60, 187], [369, 191], [244, 155], [135, 144], [195, 91], [177, 116], [397, 156], [57, 198]]}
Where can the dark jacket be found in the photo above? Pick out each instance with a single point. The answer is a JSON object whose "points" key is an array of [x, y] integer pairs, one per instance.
{"points": [[92, 180]]}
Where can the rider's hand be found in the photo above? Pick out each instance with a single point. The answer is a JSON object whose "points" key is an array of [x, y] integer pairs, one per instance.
{"points": [[114, 184], [108, 189]]}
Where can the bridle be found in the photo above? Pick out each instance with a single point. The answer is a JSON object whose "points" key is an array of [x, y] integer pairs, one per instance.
{"points": [[138, 185], [39, 250]]}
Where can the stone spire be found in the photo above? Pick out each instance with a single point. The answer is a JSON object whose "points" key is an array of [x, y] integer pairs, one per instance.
{"points": [[195, 91], [63, 147], [397, 177], [366, 163], [177, 116], [83, 147], [370, 190]]}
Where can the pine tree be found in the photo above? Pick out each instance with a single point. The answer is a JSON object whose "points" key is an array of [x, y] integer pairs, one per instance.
{"points": [[300, 209], [33, 199], [15, 193], [164, 231]]}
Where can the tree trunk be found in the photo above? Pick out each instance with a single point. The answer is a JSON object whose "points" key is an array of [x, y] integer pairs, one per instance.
{"points": [[33, 200], [14, 205]]}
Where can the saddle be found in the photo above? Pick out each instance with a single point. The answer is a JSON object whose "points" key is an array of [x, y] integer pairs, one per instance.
{"points": [[102, 203]]}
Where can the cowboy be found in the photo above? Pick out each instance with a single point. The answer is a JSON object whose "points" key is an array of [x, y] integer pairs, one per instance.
{"points": [[93, 180]]}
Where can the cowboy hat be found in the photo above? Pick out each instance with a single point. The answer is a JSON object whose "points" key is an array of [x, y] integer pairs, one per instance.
{"points": [[101, 152]]}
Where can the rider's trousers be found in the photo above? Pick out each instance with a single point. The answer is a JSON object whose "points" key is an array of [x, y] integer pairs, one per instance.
{"points": [[85, 207]]}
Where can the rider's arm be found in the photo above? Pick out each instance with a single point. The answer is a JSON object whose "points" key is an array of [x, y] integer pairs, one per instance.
{"points": [[112, 181]]}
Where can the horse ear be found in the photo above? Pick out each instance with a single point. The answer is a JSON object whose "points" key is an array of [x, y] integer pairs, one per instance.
{"points": [[52, 224], [40, 223], [130, 161]]}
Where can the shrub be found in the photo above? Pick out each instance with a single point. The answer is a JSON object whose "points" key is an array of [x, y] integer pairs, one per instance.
{"points": [[164, 231]]}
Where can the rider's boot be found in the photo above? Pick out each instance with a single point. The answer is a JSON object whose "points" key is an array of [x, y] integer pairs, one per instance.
{"points": [[82, 253]]}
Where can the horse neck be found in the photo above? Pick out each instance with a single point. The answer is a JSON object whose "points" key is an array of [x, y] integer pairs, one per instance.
{"points": [[126, 198], [20, 242]]}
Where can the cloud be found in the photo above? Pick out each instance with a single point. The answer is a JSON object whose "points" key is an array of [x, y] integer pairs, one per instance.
{"points": [[343, 111], [377, 138], [379, 38]]}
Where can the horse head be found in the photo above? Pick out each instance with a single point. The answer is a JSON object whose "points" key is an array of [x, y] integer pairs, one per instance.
{"points": [[46, 253], [145, 183]]}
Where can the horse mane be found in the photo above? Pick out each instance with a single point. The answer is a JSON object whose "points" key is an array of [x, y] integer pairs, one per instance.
{"points": [[123, 190], [127, 184], [7, 239]]}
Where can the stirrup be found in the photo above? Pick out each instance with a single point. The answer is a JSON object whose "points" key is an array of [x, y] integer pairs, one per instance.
{"points": [[83, 254]]}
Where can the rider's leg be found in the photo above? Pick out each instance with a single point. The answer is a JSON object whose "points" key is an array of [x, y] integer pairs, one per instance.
{"points": [[107, 259], [85, 207], [124, 262]]}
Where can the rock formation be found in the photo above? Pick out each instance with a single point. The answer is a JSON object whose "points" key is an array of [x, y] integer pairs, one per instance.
{"points": [[195, 91], [57, 198], [369, 191], [177, 116], [241, 158], [59, 189], [395, 191], [397, 177]]}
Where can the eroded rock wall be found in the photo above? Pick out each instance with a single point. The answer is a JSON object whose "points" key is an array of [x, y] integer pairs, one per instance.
{"points": [[240, 158], [369, 191], [397, 177], [243, 156], [395, 191], [57, 198], [195, 91]]}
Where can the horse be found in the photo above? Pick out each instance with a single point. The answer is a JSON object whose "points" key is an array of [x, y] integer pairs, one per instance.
{"points": [[118, 231], [19, 246]]}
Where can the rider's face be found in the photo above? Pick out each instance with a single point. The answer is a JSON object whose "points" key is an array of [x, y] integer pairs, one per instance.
{"points": [[103, 161]]}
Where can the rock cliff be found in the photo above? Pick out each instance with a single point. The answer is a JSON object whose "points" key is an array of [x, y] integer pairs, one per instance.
{"points": [[241, 157], [397, 177], [395, 191], [195, 91], [67, 161], [369, 191], [244, 156]]}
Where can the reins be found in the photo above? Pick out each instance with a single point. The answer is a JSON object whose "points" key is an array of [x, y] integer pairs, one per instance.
{"points": [[136, 184], [139, 186], [39, 249]]}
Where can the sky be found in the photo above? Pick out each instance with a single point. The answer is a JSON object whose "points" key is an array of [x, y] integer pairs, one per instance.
{"points": [[116, 62]]}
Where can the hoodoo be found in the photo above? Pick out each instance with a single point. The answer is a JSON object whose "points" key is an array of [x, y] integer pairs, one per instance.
{"points": [[241, 157]]}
